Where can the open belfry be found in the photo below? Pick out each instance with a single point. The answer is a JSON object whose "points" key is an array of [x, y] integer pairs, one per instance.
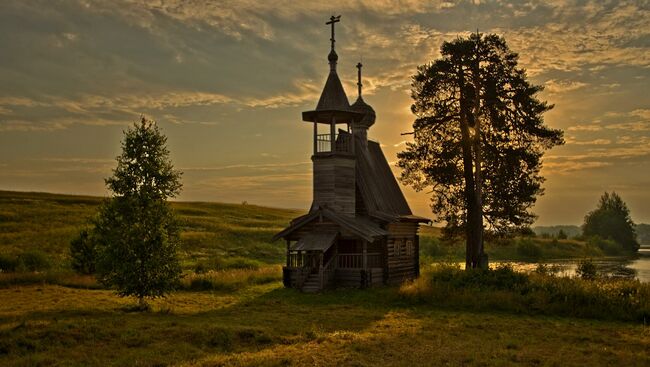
{"points": [[359, 231]]}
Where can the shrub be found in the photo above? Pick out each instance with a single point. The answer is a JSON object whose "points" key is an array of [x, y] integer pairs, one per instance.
{"points": [[528, 249], [609, 247], [541, 269], [431, 247], [587, 270], [33, 261], [562, 235], [503, 277], [83, 252], [506, 290], [7, 264]]}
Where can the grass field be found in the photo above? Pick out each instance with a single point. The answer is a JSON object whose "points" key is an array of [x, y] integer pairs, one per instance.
{"points": [[221, 235], [236, 311], [269, 325], [212, 232]]}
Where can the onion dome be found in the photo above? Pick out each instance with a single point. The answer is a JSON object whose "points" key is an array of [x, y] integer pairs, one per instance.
{"points": [[361, 106], [368, 113]]}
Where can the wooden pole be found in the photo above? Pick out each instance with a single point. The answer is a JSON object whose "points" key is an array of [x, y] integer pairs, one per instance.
{"points": [[333, 134], [315, 137], [320, 270], [288, 253], [351, 139]]}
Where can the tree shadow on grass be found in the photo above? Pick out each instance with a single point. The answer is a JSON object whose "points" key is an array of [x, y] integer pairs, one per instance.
{"points": [[253, 323]]}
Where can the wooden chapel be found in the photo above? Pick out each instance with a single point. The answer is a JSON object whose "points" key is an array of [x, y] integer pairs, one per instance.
{"points": [[359, 231]]}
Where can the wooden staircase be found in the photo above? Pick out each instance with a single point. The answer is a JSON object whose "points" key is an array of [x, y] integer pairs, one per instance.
{"points": [[312, 283]]}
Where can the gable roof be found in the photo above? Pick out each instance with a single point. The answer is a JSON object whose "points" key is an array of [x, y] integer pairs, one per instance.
{"points": [[315, 241], [379, 190], [361, 227]]}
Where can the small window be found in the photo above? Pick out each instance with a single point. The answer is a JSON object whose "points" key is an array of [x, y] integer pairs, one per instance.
{"points": [[410, 249], [398, 246]]}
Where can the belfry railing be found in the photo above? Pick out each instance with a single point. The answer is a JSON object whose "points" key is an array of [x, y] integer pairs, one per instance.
{"points": [[342, 143]]}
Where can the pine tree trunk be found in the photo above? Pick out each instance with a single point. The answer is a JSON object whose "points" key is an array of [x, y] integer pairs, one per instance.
{"points": [[471, 225], [478, 174], [474, 220]]}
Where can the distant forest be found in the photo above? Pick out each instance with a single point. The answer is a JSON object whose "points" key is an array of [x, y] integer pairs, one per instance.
{"points": [[642, 231]]}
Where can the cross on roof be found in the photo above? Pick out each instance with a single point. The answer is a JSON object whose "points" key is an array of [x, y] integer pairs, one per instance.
{"points": [[332, 21], [359, 85]]}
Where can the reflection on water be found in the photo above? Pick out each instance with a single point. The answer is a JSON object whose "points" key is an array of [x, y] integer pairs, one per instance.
{"points": [[638, 267]]}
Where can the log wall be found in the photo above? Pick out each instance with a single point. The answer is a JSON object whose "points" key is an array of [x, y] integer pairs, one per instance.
{"points": [[351, 278], [334, 182], [402, 258]]}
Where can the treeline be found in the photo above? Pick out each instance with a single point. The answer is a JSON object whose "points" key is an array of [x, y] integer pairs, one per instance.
{"points": [[571, 231]]}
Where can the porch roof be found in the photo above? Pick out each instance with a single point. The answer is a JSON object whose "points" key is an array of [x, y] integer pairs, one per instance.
{"points": [[361, 227], [315, 241]]}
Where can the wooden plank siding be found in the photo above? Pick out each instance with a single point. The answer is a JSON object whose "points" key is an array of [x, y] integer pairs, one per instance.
{"points": [[351, 278], [334, 182], [402, 252]]}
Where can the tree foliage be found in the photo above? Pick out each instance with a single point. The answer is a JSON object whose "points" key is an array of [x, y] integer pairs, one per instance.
{"points": [[479, 137], [83, 253], [611, 220], [136, 230]]}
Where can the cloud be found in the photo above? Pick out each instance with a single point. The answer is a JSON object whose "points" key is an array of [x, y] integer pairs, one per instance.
{"points": [[585, 127], [572, 166], [571, 140], [562, 86], [261, 167], [643, 113]]}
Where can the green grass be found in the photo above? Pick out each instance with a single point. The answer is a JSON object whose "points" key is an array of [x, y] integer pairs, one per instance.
{"points": [[237, 235], [232, 309], [526, 249], [223, 236], [536, 293], [269, 325]]}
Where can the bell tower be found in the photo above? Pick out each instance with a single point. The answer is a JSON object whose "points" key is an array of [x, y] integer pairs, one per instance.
{"points": [[333, 157]]}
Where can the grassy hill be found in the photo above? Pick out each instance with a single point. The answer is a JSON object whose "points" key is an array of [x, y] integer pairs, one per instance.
{"points": [[211, 231], [218, 236]]}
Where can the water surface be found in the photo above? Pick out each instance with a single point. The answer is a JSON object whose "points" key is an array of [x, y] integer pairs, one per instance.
{"points": [[620, 267]]}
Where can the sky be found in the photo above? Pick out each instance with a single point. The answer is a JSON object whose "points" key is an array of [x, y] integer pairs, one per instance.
{"points": [[227, 81]]}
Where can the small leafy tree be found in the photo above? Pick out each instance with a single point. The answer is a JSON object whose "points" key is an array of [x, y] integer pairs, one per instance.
{"points": [[561, 235], [611, 220], [137, 233], [83, 253], [479, 136], [587, 270]]}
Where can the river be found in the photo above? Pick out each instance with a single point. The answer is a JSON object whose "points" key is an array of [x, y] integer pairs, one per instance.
{"points": [[624, 267]]}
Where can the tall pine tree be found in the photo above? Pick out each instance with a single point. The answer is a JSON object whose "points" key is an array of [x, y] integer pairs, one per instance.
{"points": [[479, 136]]}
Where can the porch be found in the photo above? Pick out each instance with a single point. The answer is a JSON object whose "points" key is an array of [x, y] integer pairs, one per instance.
{"points": [[312, 270]]}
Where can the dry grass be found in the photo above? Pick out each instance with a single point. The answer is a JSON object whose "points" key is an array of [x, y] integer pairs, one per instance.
{"points": [[272, 326], [232, 279]]}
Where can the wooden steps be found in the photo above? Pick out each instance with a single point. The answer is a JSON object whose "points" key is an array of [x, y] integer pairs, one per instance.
{"points": [[312, 284]]}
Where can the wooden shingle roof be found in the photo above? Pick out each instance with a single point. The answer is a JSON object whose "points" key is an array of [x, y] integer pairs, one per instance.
{"points": [[333, 96], [379, 189], [362, 227], [315, 241]]}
